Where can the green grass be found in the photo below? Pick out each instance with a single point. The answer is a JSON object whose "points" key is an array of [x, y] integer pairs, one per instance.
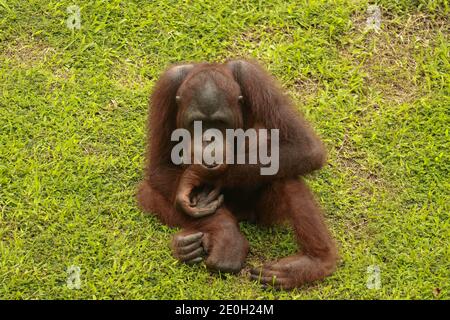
{"points": [[72, 119]]}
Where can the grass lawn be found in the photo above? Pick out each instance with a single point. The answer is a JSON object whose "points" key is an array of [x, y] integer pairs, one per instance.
{"points": [[73, 108]]}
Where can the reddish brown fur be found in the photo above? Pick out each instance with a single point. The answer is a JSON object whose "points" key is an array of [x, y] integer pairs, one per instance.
{"points": [[248, 195]]}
